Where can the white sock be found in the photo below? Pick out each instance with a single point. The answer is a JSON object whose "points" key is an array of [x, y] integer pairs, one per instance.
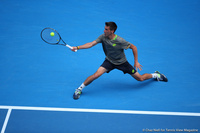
{"points": [[155, 75], [81, 87]]}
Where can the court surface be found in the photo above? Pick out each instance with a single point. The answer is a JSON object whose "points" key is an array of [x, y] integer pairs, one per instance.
{"points": [[38, 80]]}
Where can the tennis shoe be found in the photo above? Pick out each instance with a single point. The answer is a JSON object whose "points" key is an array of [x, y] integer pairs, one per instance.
{"points": [[161, 77], [77, 94]]}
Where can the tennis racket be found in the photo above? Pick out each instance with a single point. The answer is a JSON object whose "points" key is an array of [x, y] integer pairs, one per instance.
{"points": [[51, 36]]}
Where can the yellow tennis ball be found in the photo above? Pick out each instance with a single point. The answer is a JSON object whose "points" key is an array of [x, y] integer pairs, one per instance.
{"points": [[52, 34]]}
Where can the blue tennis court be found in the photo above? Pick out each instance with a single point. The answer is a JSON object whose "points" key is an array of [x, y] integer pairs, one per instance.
{"points": [[38, 80]]}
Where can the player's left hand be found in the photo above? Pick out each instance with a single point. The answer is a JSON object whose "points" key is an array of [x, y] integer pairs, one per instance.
{"points": [[138, 66]]}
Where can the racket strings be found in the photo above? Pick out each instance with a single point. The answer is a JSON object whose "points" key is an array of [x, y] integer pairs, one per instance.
{"points": [[50, 36]]}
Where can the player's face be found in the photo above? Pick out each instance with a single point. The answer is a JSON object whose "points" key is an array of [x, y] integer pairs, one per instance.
{"points": [[107, 31]]}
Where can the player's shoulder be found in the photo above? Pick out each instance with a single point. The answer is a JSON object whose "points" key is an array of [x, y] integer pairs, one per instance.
{"points": [[119, 38], [100, 38], [102, 35]]}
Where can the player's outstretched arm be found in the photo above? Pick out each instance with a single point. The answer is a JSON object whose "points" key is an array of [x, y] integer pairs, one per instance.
{"points": [[85, 46]]}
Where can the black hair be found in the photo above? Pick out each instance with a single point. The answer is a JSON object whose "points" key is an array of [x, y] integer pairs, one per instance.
{"points": [[112, 25]]}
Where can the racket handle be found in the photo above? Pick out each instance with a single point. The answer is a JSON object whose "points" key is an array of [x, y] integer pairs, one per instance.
{"points": [[70, 47]]}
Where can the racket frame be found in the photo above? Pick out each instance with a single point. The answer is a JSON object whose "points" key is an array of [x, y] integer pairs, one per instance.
{"points": [[60, 39]]}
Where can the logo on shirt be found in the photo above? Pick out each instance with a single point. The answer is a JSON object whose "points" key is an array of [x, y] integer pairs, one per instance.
{"points": [[114, 45], [133, 71]]}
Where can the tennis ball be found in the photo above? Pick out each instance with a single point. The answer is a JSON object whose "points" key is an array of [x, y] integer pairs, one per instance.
{"points": [[52, 34]]}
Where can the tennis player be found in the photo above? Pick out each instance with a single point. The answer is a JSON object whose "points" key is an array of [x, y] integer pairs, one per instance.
{"points": [[113, 46]]}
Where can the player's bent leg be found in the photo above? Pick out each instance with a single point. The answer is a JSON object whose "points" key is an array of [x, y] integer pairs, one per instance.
{"points": [[96, 75], [143, 77], [89, 80], [157, 75]]}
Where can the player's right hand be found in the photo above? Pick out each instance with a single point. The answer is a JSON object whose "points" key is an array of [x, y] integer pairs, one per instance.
{"points": [[74, 49]]}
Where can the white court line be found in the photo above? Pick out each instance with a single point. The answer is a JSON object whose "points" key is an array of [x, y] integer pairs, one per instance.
{"points": [[101, 111], [10, 108], [6, 120]]}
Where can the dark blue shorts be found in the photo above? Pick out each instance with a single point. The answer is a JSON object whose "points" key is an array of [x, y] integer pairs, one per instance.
{"points": [[125, 67]]}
